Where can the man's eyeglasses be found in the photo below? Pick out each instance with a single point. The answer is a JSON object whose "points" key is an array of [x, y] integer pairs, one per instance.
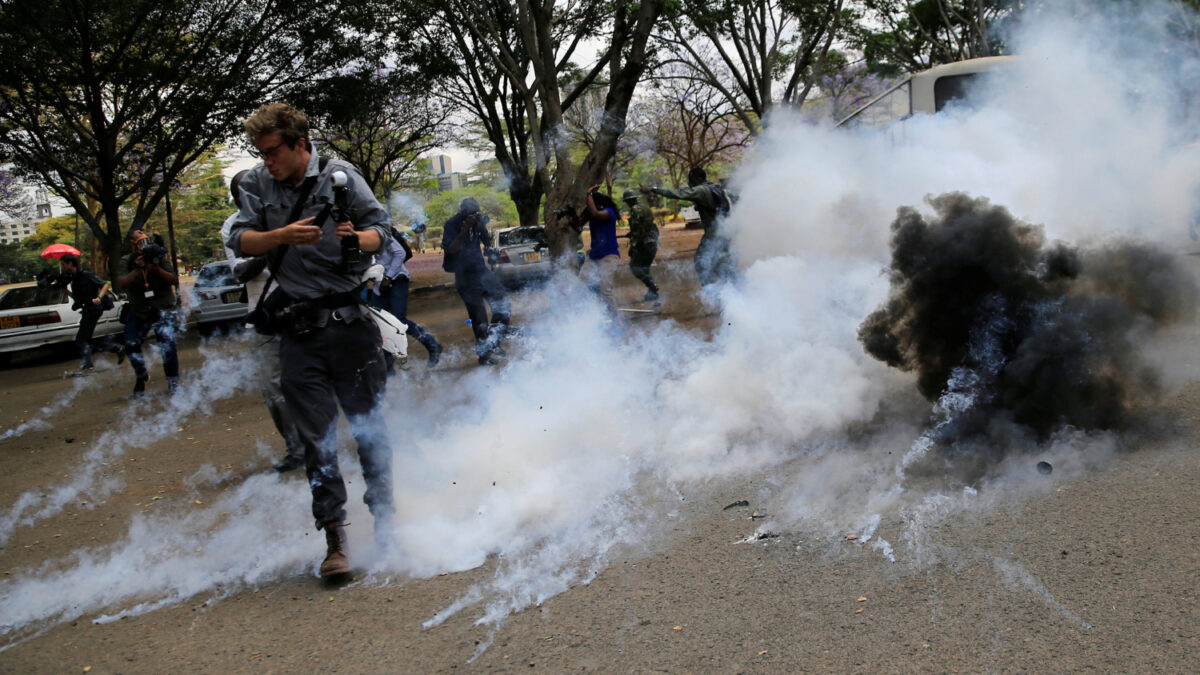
{"points": [[265, 154]]}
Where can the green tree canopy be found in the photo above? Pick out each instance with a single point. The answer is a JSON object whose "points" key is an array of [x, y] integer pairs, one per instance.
{"points": [[380, 120], [108, 101], [906, 36], [200, 203]]}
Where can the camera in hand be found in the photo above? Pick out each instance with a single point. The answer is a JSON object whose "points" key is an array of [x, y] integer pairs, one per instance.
{"points": [[351, 253], [153, 254], [568, 210]]}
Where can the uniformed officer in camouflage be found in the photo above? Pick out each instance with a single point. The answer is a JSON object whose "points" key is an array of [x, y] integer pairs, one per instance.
{"points": [[643, 243], [331, 350], [714, 260]]}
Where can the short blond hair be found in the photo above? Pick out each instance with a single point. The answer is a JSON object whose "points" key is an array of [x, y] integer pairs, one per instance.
{"points": [[291, 124]]}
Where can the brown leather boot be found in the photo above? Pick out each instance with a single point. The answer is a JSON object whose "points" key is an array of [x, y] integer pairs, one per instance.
{"points": [[335, 562]]}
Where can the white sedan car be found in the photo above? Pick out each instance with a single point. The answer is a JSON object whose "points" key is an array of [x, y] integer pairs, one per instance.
{"points": [[33, 316], [217, 299]]}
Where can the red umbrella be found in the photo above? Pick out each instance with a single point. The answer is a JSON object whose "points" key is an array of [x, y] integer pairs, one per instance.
{"points": [[59, 250]]}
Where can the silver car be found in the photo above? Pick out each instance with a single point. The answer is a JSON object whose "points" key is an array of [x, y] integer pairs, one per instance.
{"points": [[218, 299], [33, 316], [522, 255]]}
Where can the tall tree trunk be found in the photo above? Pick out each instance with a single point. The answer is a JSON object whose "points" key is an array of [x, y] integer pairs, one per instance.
{"points": [[113, 243], [525, 192], [570, 185]]}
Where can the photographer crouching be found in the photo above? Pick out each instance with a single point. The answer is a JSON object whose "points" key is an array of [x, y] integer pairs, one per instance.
{"points": [[331, 351], [149, 282]]}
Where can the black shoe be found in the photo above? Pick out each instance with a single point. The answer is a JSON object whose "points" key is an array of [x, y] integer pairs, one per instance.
{"points": [[430, 343], [651, 296], [289, 463], [488, 360], [139, 386], [120, 354]]}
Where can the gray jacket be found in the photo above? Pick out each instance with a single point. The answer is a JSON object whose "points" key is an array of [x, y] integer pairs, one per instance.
{"points": [[309, 271]]}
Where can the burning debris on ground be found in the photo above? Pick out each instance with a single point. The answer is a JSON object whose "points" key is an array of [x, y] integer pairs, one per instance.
{"points": [[1015, 338]]}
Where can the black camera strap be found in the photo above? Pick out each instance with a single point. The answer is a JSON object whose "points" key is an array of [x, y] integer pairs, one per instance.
{"points": [[276, 256]]}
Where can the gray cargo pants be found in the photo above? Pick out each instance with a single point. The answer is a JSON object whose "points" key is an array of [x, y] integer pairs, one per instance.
{"points": [[341, 363]]}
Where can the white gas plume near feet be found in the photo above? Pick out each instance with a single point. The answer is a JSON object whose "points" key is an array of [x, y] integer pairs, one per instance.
{"points": [[580, 447]]}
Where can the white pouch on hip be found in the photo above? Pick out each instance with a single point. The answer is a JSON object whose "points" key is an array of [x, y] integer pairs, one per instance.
{"points": [[393, 331]]}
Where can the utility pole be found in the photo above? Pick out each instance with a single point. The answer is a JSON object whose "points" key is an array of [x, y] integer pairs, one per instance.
{"points": [[171, 235]]}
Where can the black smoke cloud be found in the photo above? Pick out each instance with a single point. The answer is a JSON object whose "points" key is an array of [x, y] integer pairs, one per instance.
{"points": [[1006, 331]]}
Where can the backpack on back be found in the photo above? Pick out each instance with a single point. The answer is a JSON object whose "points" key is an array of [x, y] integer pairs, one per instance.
{"points": [[724, 205]]}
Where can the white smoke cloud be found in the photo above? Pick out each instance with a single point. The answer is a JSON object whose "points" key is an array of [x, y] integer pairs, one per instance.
{"points": [[1079, 136], [1085, 135], [64, 400], [587, 440], [225, 371], [406, 208]]}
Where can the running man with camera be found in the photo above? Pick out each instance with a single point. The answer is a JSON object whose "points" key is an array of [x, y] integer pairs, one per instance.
{"points": [[90, 296], [330, 349], [149, 282]]}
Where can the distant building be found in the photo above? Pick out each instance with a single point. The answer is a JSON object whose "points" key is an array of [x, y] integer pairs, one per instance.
{"points": [[15, 231], [450, 181], [439, 164], [41, 197], [43, 203]]}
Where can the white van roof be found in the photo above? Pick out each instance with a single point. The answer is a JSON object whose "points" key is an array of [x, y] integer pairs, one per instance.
{"points": [[924, 81]]}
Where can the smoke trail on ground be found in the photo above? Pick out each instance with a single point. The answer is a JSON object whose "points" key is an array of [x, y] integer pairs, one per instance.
{"points": [[226, 371], [169, 557], [60, 403]]}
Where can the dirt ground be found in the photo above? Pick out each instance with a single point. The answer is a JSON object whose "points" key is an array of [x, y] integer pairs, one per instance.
{"points": [[1098, 574]]}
